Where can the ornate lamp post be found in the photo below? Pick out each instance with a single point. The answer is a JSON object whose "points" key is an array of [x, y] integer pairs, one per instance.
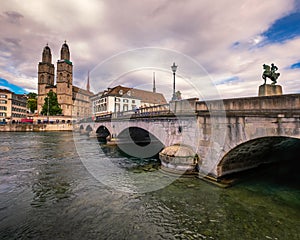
{"points": [[48, 109], [174, 68]]}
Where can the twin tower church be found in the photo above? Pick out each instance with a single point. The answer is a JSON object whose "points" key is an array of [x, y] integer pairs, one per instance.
{"points": [[74, 101]]}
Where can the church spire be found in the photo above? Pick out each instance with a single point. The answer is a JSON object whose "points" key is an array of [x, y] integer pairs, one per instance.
{"points": [[88, 82], [154, 88], [65, 52], [47, 56]]}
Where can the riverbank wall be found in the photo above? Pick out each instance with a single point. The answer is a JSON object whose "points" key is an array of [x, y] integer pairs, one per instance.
{"points": [[36, 127]]}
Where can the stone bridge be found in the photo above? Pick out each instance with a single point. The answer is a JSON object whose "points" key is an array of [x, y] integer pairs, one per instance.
{"points": [[228, 135]]}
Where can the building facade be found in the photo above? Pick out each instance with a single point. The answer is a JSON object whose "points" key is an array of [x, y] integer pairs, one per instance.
{"points": [[74, 102], [13, 107], [121, 99]]}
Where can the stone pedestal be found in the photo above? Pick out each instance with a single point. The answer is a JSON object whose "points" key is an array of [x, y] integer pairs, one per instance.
{"points": [[269, 90]]}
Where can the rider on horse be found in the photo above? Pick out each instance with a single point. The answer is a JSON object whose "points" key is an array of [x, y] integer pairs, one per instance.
{"points": [[270, 72]]}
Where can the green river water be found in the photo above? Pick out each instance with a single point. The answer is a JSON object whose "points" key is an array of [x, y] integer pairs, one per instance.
{"points": [[47, 193]]}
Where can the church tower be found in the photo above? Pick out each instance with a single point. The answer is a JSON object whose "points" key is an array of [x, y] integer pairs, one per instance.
{"points": [[45, 76], [64, 81]]}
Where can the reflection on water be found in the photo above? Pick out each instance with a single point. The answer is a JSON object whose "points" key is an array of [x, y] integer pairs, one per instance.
{"points": [[128, 162], [46, 193]]}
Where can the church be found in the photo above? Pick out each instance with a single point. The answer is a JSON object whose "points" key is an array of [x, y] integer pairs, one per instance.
{"points": [[74, 101]]}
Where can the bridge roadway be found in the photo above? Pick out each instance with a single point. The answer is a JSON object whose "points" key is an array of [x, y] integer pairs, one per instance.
{"points": [[228, 135]]}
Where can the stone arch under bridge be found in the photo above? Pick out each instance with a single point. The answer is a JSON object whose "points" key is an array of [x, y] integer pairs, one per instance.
{"points": [[167, 131], [255, 152], [248, 140]]}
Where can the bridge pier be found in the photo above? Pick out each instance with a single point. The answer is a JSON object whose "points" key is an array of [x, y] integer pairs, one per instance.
{"points": [[179, 158]]}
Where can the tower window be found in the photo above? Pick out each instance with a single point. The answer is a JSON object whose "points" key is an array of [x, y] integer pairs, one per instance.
{"points": [[68, 77]]}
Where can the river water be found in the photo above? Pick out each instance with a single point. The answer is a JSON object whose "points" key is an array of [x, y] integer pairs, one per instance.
{"points": [[46, 192]]}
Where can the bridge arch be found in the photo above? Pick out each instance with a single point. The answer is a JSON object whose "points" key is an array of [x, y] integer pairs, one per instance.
{"points": [[139, 142], [88, 128], [252, 153], [81, 127], [103, 132]]}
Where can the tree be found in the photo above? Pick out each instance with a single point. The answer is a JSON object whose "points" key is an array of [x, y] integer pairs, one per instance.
{"points": [[52, 107], [32, 101]]}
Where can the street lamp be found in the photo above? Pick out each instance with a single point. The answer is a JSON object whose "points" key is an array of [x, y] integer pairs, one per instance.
{"points": [[174, 68], [48, 110]]}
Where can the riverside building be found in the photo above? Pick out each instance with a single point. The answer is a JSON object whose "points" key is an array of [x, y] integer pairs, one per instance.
{"points": [[122, 99], [13, 107]]}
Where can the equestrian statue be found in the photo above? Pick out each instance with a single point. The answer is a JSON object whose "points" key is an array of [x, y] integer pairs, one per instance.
{"points": [[270, 72]]}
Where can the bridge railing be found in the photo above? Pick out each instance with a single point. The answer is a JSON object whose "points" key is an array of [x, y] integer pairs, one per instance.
{"points": [[151, 111], [174, 108], [253, 105], [104, 117]]}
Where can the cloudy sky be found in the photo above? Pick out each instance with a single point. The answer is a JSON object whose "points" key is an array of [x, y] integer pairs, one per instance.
{"points": [[124, 42]]}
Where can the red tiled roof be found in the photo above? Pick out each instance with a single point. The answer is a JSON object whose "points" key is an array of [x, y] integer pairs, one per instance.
{"points": [[144, 96]]}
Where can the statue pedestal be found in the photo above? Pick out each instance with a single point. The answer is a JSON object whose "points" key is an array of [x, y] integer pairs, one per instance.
{"points": [[269, 90]]}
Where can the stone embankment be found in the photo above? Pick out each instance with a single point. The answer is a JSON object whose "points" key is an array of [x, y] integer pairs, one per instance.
{"points": [[36, 127]]}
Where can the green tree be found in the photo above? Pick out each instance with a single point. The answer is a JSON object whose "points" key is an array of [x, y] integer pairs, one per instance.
{"points": [[32, 101], [52, 106]]}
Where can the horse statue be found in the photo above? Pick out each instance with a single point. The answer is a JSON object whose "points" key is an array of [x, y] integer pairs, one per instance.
{"points": [[270, 72]]}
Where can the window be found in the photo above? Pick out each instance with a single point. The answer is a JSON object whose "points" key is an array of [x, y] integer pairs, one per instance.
{"points": [[68, 77], [117, 107], [121, 92], [125, 100], [2, 114], [133, 101], [3, 96], [3, 101], [3, 108]]}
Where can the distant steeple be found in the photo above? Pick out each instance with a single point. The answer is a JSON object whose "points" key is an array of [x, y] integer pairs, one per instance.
{"points": [[88, 82], [154, 88]]}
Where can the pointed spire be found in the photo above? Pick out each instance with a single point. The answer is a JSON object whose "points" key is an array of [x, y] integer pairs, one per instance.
{"points": [[154, 88], [88, 82], [46, 56], [65, 52]]}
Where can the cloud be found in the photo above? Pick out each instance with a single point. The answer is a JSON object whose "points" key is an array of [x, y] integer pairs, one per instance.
{"points": [[13, 17], [224, 37]]}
